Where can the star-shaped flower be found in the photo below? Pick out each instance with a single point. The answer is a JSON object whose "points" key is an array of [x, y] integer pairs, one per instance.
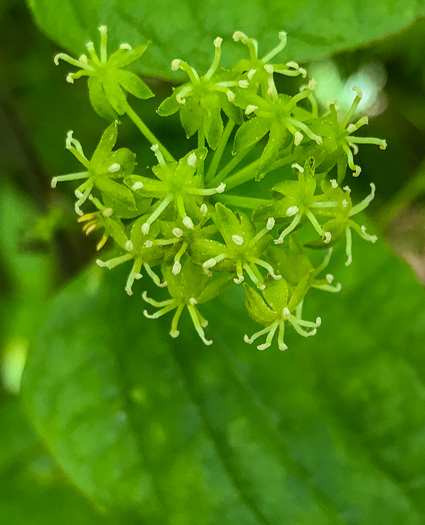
{"points": [[108, 81]]}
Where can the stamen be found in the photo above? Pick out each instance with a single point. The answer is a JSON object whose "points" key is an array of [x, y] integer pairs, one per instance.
{"points": [[298, 167], [137, 186], [187, 221], [243, 84], [298, 137], [230, 96], [129, 246], [251, 73], [237, 239], [177, 232], [270, 223], [175, 64], [126, 46], [288, 230], [107, 212], [196, 322], [292, 210], [114, 167], [204, 209], [191, 160], [334, 183], [250, 109]]}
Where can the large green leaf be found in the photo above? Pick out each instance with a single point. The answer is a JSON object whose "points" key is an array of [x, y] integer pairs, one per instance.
{"points": [[170, 431], [186, 29], [32, 488]]}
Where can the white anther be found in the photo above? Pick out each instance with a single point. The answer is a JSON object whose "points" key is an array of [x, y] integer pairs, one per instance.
{"points": [[137, 276], [263, 346], [347, 188], [175, 64], [298, 137], [204, 209], [329, 278], [243, 84], [269, 68], [145, 228], [129, 246], [328, 237], [90, 46], [312, 85], [221, 188], [349, 261], [292, 64], [238, 35], [286, 313], [298, 167], [250, 109], [107, 212], [129, 290], [114, 167], [155, 147], [187, 221], [344, 203], [383, 144], [318, 321], [177, 232], [126, 46], [78, 194], [292, 210], [137, 186], [303, 72], [237, 239], [83, 59], [69, 78], [334, 183], [210, 263], [218, 41], [175, 334], [319, 140], [261, 287], [357, 172], [282, 35], [101, 263], [54, 182], [358, 92], [191, 159], [251, 73], [103, 29], [148, 244], [193, 301], [247, 339], [270, 223], [230, 95], [239, 279], [373, 238], [177, 267], [56, 58], [180, 100], [351, 128]]}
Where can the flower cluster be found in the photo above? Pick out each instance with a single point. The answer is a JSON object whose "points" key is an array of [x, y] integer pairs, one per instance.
{"points": [[185, 224]]}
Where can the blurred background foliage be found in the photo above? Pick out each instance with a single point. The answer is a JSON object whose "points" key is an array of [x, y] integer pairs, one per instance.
{"points": [[41, 246]]}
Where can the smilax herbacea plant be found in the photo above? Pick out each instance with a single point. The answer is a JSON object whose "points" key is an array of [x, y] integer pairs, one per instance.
{"points": [[188, 224]]}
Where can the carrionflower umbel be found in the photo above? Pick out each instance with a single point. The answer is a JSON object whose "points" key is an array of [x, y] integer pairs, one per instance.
{"points": [[212, 219]]}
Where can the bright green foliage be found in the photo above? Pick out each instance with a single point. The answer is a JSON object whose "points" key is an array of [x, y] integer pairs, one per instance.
{"points": [[169, 431], [173, 226]]}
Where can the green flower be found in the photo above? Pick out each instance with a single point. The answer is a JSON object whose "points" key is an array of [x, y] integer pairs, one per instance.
{"points": [[259, 70], [101, 172], [276, 115], [176, 183], [188, 289], [281, 305], [339, 143], [108, 82], [201, 100], [243, 250]]}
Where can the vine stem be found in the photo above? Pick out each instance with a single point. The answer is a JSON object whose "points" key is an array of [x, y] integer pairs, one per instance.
{"points": [[147, 132], [212, 170], [249, 172], [249, 203], [201, 144], [237, 159]]}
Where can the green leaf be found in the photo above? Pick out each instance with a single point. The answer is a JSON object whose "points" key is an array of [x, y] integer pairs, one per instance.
{"points": [[250, 133], [315, 29], [32, 489], [330, 431]]}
